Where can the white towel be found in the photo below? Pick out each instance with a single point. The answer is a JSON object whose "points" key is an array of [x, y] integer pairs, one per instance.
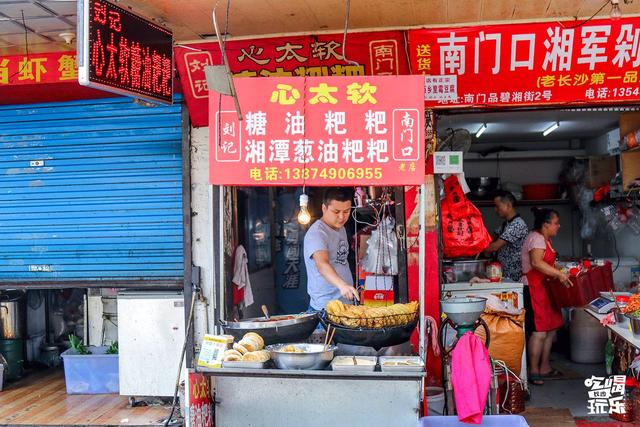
{"points": [[241, 275]]}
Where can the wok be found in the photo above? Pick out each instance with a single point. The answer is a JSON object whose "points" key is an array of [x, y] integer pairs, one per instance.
{"points": [[278, 329], [376, 338]]}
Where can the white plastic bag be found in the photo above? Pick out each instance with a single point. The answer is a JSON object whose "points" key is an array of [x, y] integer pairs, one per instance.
{"points": [[382, 249]]}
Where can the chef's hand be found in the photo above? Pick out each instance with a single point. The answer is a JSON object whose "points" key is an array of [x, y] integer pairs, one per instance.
{"points": [[564, 279], [349, 292], [476, 279]]}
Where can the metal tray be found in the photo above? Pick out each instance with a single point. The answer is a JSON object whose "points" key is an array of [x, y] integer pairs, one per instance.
{"points": [[401, 368], [352, 368], [245, 365]]}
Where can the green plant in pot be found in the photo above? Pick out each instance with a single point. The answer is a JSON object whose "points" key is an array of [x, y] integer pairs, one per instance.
{"points": [[77, 345], [113, 348]]}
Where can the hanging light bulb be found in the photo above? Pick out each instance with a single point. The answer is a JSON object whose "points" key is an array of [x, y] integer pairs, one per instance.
{"points": [[304, 217], [615, 10]]}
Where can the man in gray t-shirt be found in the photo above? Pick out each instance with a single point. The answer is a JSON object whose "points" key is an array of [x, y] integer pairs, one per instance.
{"points": [[326, 249]]}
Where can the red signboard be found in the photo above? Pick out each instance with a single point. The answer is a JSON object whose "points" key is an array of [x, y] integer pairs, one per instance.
{"points": [[529, 64], [57, 67], [379, 53], [200, 402], [319, 131], [124, 53]]}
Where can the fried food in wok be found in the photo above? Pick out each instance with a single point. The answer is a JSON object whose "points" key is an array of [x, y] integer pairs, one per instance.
{"points": [[360, 316]]}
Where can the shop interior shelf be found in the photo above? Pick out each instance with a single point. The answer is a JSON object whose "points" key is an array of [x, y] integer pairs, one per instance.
{"points": [[630, 166], [484, 203]]}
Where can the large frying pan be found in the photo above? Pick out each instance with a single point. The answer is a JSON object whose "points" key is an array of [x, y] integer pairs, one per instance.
{"points": [[374, 337], [278, 329]]}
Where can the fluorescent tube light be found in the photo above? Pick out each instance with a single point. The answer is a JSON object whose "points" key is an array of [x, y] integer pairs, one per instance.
{"points": [[481, 130], [551, 128]]}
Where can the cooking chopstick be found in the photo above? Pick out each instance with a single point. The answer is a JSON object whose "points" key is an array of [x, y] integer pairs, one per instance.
{"points": [[326, 337], [616, 302], [333, 332]]}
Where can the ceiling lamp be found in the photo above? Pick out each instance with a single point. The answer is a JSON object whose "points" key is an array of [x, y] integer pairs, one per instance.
{"points": [[481, 130], [304, 217], [615, 10], [550, 129]]}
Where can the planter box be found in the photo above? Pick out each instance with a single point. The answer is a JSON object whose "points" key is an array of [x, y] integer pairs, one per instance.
{"points": [[95, 373]]}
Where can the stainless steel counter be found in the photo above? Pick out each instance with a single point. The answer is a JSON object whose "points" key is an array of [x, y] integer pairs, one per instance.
{"points": [[311, 374], [275, 397], [622, 331]]}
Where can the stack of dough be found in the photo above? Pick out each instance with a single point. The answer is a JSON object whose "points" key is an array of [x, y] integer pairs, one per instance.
{"points": [[248, 349], [360, 316]]}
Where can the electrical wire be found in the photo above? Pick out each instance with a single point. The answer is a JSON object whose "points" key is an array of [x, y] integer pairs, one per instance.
{"points": [[26, 44], [507, 373], [588, 19], [353, 215], [223, 41], [615, 248], [184, 350], [344, 36]]}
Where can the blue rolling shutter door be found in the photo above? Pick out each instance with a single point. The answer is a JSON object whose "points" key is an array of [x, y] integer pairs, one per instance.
{"points": [[90, 190]]}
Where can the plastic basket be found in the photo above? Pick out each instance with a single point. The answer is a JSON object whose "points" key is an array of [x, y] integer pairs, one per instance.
{"points": [[487, 421], [95, 373]]}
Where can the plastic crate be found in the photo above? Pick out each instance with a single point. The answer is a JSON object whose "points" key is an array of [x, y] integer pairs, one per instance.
{"points": [[95, 373], [487, 420]]}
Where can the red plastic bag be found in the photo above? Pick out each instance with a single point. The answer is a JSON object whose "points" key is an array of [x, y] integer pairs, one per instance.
{"points": [[463, 230]]}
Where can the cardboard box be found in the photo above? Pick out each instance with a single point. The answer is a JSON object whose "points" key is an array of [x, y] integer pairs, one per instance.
{"points": [[377, 298], [600, 170], [630, 165]]}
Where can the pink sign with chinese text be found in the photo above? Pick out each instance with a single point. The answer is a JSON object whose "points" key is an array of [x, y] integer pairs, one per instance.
{"points": [[529, 64], [319, 131]]}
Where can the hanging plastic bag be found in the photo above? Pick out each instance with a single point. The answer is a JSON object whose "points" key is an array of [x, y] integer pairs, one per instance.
{"points": [[382, 249], [463, 230]]}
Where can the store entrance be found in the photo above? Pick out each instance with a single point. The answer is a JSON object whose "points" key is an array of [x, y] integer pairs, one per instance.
{"points": [[583, 164], [267, 226]]}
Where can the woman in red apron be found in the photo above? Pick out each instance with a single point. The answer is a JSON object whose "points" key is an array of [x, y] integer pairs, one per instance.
{"points": [[538, 263]]}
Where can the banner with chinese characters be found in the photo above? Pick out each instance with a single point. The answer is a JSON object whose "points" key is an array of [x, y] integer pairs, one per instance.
{"points": [[200, 409], [529, 64], [59, 67], [124, 53], [377, 53], [319, 131]]}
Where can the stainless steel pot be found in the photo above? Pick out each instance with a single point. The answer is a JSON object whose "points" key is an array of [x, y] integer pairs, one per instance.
{"points": [[313, 357], [12, 321], [635, 325]]}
